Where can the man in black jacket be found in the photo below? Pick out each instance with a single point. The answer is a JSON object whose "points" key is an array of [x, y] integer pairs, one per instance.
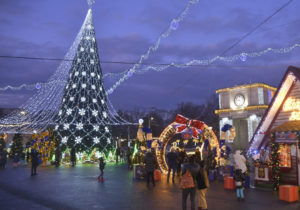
{"points": [[172, 163]]}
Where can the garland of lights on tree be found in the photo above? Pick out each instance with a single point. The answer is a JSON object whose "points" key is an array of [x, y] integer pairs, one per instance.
{"points": [[275, 166], [82, 120]]}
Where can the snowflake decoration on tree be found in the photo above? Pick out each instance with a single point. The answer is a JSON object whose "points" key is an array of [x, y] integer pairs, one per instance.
{"points": [[74, 86], [64, 140], [83, 73], [79, 126], [78, 140], [96, 140], [96, 128], [81, 112], [69, 111], [60, 112], [82, 99], [106, 129], [66, 126], [104, 114], [71, 98], [94, 100], [95, 113], [93, 87], [93, 74], [102, 101], [83, 85], [76, 73]]}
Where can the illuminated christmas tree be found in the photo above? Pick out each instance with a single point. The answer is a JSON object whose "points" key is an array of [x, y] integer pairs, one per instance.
{"points": [[82, 121]]}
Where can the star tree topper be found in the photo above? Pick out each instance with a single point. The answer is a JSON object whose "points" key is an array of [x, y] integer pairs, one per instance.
{"points": [[91, 3]]}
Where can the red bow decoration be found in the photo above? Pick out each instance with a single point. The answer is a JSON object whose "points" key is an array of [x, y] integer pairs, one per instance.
{"points": [[188, 125]]}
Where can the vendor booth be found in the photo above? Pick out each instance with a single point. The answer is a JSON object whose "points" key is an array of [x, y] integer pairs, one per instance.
{"points": [[275, 144]]}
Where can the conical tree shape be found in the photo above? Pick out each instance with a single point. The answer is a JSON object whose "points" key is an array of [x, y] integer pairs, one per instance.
{"points": [[83, 119], [17, 145]]}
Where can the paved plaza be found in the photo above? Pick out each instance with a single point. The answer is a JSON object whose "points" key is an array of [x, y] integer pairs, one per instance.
{"points": [[77, 188]]}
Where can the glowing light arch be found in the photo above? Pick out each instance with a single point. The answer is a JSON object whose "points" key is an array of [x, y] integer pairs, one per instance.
{"points": [[169, 132]]}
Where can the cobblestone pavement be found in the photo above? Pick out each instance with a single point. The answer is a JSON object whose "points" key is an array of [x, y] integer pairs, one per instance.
{"points": [[77, 188]]}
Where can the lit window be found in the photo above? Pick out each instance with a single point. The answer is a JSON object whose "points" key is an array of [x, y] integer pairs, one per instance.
{"points": [[260, 96], [285, 156]]}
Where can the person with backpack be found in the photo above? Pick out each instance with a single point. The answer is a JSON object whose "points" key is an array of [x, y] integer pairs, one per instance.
{"points": [[188, 181], [239, 181], [202, 185], [101, 167]]}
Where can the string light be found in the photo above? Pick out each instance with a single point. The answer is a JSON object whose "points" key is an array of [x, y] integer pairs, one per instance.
{"points": [[202, 62]]}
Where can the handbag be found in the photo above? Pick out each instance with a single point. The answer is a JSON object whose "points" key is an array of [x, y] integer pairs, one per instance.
{"points": [[187, 181]]}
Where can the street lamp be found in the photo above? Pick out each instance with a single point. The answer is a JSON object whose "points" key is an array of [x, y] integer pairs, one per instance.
{"points": [[150, 119]]}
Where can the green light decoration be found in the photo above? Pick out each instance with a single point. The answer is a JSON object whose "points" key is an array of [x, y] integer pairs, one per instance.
{"points": [[135, 150]]}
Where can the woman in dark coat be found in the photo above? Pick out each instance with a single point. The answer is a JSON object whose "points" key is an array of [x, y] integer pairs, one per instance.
{"points": [[150, 163], [34, 162]]}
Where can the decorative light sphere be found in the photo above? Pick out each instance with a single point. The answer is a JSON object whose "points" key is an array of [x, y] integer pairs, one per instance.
{"points": [[74, 86], [243, 57], [83, 73], [174, 24], [93, 87], [83, 85], [141, 121], [82, 99], [129, 74], [102, 101], [76, 73], [71, 98], [38, 86], [94, 100], [93, 74]]}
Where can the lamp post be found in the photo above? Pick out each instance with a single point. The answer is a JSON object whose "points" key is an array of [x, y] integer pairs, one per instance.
{"points": [[150, 119]]}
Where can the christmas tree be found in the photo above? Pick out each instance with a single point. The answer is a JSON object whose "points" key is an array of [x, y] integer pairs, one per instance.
{"points": [[82, 121], [17, 145]]}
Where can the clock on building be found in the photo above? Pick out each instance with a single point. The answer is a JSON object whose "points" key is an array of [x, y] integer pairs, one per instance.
{"points": [[239, 100]]}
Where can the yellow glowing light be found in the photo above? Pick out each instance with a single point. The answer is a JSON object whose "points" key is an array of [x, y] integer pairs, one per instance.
{"points": [[247, 86], [292, 105]]}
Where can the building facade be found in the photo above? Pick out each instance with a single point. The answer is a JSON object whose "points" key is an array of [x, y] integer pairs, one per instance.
{"points": [[243, 107]]}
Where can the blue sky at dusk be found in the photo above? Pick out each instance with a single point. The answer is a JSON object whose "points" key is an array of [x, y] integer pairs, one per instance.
{"points": [[126, 29]]}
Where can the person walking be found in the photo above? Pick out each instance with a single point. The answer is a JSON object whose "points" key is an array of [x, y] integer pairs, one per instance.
{"points": [[4, 157], [202, 185], [239, 180], [16, 160], [73, 156], [197, 155], [101, 167], [34, 162], [118, 152], [189, 169], [172, 163], [150, 162]]}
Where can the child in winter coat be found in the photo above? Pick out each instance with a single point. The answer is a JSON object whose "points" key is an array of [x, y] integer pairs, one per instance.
{"points": [[239, 179], [101, 167]]}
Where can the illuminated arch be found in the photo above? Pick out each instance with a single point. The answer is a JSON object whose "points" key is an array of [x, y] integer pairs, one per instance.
{"points": [[169, 132]]}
